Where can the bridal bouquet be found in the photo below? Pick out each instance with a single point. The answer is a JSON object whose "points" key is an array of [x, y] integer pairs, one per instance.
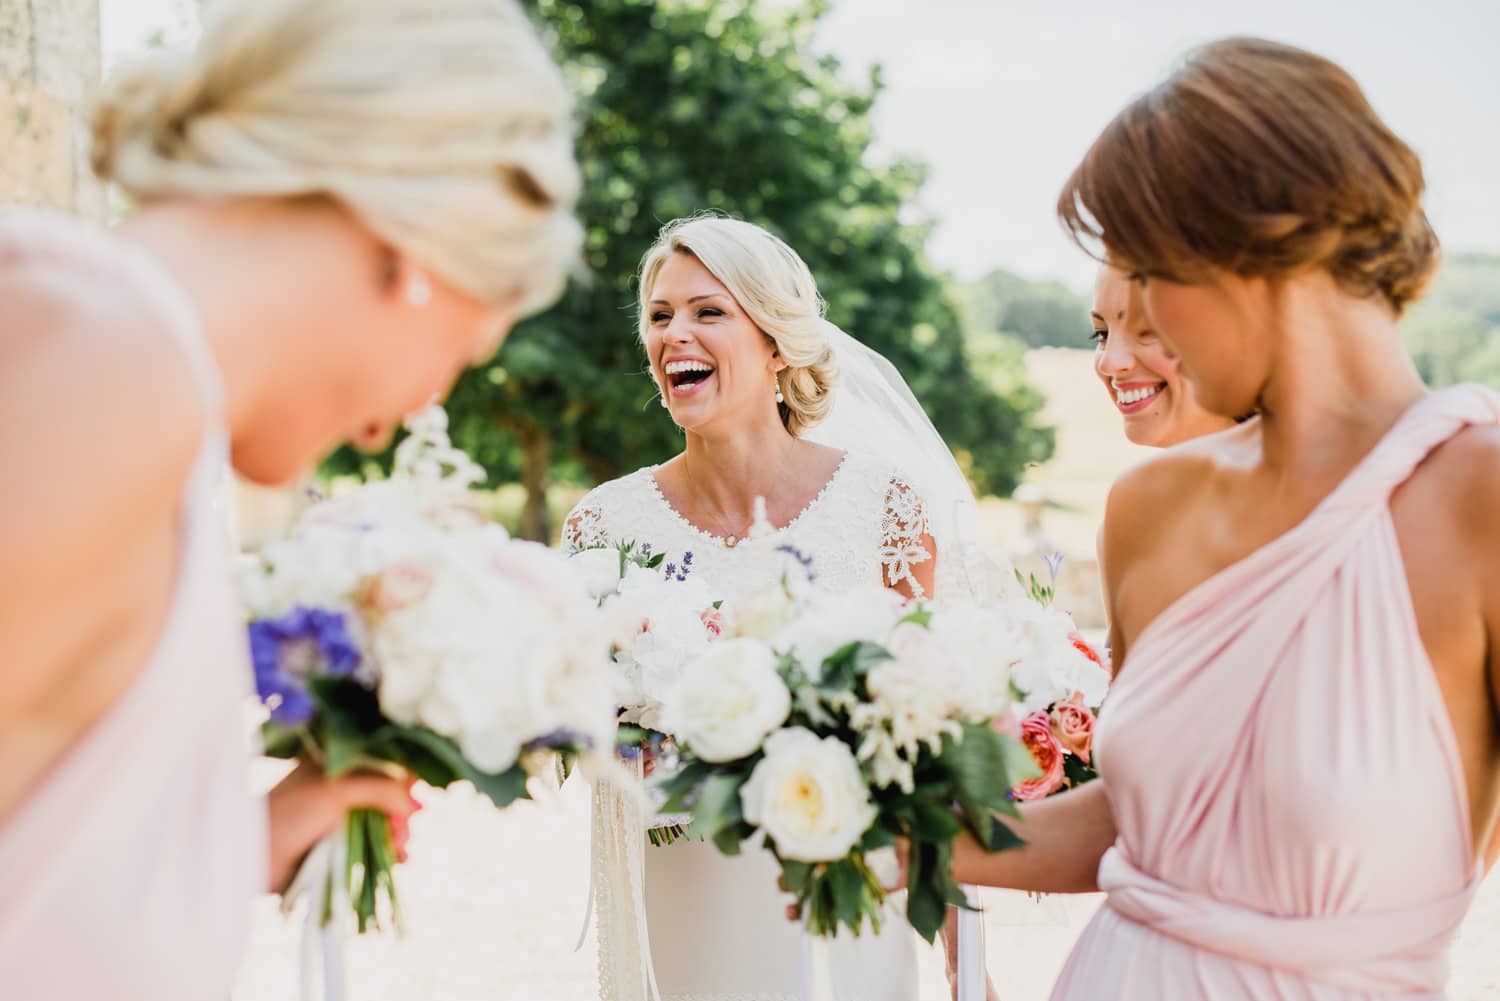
{"points": [[661, 618], [1060, 687], [831, 725], [394, 628], [659, 615]]}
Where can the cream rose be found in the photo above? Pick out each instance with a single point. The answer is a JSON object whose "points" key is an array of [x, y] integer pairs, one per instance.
{"points": [[809, 797]]}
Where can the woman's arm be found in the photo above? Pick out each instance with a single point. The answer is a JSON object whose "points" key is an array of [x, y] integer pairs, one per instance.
{"points": [[1066, 836]]}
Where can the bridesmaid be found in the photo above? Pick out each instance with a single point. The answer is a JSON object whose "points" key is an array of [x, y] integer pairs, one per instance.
{"points": [[1141, 374], [1308, 603], [341, 205]]}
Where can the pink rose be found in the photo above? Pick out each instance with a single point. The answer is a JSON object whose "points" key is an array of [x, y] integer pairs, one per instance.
{"points": [[1073, 726], [713, 621], [1036, 735], [398, 586]]}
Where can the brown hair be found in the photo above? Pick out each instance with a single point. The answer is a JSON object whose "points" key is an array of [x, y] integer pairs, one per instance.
{"points": [[1260, 159]]}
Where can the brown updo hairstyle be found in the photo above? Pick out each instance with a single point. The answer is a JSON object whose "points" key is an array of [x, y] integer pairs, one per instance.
{"points": [[1263, 160]]}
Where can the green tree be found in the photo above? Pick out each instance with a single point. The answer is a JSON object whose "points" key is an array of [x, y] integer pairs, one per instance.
{"points": [[688, 105], [1038, 314], [1452, 333]]}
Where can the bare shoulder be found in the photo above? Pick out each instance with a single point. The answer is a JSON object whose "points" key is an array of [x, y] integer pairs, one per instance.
{"points": [[95, 399], [1146, 496], [1460, 483]]}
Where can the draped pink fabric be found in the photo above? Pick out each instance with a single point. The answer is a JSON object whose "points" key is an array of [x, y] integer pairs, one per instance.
{"points": [[1292, 812], [129, 872]]}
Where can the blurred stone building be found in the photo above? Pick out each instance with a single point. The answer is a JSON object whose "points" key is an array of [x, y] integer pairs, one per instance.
{"points": [[49, 71]]}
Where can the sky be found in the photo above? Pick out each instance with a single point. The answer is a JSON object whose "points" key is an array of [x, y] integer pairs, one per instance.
{"points": [[1000, 98]]}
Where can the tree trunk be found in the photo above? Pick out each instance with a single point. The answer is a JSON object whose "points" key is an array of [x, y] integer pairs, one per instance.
{"points": [[536, 465]]}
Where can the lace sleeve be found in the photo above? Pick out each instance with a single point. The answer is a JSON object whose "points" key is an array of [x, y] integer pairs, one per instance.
{"points": [[583, 528], [904, 537]]}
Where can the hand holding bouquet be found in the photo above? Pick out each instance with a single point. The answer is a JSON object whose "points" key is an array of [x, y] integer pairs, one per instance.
{"points": [[395, 630]]}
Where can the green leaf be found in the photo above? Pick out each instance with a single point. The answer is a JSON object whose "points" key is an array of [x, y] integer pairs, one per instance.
{"points": [[681, 787], [796, 874], [1002, 838], [849, 892], [919, 616], [931, 821], [980, 764], [718, 803]]}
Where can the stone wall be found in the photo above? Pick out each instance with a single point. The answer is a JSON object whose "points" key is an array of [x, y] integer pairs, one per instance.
{"points": [[49, 72]]}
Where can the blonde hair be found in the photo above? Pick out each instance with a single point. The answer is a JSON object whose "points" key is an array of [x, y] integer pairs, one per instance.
{"points": [[774, 288], [442, 125]]}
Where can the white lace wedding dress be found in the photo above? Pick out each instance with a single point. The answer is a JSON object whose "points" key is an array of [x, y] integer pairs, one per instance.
{"points": [[717, 927]]}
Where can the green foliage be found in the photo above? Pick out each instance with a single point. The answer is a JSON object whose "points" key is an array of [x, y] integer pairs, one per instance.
{"points": [[1038, 314], [692, 105], [1454, 333]]}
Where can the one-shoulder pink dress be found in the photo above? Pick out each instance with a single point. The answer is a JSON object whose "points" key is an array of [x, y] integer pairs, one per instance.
{"points": [[1292, 812], [128, 874]]}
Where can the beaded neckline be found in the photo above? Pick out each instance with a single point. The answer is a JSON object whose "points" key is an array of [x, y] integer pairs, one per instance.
{"points": [[719, 540]]}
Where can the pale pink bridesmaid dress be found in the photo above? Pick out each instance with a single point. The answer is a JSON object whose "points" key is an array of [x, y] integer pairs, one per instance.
{"points": [[127, 875], [1293, 818]]}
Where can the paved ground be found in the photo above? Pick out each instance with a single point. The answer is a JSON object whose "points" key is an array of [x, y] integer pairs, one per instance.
{"points": [[495, 900]]}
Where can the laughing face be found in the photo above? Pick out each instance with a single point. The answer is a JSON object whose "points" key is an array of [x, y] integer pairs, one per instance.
{"points": [[1139, 371], [714, 366]]}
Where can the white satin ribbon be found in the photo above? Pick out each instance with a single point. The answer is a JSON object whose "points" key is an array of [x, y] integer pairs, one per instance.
{"points": [[972, 976], [322, 880]]}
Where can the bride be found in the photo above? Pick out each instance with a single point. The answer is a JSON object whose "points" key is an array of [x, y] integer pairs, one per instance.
{"points": [[779, 407]]}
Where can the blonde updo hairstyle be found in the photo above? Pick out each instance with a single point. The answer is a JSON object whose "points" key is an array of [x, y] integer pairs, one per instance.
{"points": [[775, 289], [442, 125]]}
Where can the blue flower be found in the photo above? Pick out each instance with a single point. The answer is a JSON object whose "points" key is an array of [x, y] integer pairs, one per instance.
{"points": [[671, 570], [1054, 562], [286, 651]]}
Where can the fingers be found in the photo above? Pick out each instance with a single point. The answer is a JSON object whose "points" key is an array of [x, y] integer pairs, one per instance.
{"points": [[393, 797]]}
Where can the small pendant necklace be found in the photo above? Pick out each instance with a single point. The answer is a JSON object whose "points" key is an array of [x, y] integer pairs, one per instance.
{"points": [[759, 522]]}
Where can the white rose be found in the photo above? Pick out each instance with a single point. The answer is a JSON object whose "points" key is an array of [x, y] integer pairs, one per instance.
{"points": [[599, 569], [1049, 667], [763, 614], [727, 701], [829, 622], [982, 643], [809, 797]]}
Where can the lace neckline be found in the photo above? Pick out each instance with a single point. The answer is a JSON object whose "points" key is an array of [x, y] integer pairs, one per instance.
{"points": [[720, 540]]}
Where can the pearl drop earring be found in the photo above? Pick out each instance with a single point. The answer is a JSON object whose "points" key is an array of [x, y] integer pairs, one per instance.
{"points": [[779, 397], [418, 290]]}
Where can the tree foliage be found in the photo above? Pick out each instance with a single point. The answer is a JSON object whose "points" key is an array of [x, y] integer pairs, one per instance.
{"points": [[1454, 333], [1038, 314], [693, 105]]}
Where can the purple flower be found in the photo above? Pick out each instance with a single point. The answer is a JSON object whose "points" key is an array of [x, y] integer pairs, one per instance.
{"points": [[286, 651], [804, 560], [561, 738], [671, 570], [1054, 562]]}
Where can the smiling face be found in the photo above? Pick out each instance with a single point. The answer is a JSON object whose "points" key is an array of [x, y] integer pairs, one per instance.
{"points": [[1141, 374], [714, 366]]}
